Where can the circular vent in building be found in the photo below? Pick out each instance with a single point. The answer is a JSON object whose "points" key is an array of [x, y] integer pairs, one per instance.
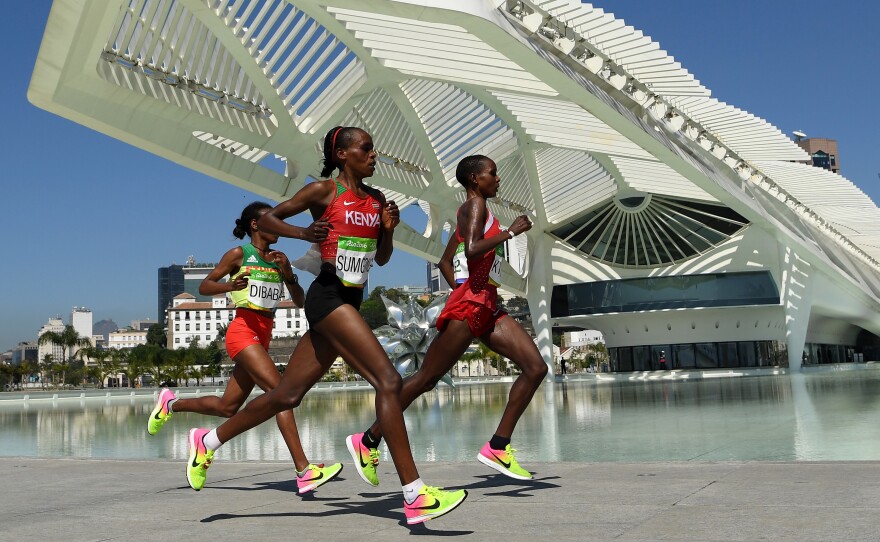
{"points": [[649, 230]]}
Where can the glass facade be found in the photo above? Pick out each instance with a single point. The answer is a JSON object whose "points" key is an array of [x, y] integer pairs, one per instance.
{"points": [[170, 284], [719, 355], [655, 293], [822, 354]]}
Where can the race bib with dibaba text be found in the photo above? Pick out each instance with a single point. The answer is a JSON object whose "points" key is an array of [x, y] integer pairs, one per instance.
{"points": [[265, 288]]}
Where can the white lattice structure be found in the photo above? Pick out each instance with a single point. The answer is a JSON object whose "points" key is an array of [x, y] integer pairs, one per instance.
{"points": [[627, 165]]}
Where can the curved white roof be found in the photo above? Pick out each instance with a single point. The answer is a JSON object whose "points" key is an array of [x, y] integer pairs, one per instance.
{"points": [[573, 104]]}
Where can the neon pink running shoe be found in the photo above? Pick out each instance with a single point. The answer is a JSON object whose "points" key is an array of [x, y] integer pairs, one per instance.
{"points": [[315, 476], [200, 459], [503, 461], [162, 413], [432, 502], [365, 459]]}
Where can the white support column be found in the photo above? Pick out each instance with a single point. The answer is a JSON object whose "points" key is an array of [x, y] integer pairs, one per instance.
{"points": [[796, 292], [538, 290]]}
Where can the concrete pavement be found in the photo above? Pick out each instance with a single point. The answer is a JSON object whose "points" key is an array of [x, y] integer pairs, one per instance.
{"points": [[77, 499]]}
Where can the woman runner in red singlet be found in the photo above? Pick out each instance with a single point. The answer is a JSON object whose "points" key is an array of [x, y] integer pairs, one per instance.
{"points": [[257, 276], [354, 226], [472, 312]]}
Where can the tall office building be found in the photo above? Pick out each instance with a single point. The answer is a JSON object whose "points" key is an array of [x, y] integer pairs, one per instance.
{"points": [[177, 279], [54, 325], [436, 282], [193, 275], [25, 351], [170, 285], [81, 320]]}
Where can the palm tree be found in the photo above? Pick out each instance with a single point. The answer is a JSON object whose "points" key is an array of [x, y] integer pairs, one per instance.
{"points": [[179, 365], [46, 366], [133, 370], [196, 373], [118, 361], [68, 340], [150, 359], [23, 371], [99, 356]]}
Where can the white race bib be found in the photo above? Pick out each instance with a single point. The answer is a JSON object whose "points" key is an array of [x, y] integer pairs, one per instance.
{"points": [[354, 258], [459, 265], [265, 290], [495, 270]]}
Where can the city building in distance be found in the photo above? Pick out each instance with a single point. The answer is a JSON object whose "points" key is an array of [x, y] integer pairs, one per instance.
{"points": [[823, 152], [177, 279], [190, 320]]}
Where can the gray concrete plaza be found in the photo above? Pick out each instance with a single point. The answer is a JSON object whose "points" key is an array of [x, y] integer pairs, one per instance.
{"points": [[77, 499]]}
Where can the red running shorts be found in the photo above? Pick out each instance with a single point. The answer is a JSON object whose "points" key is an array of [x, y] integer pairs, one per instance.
{"points": [[247, 328], [480, 318]]}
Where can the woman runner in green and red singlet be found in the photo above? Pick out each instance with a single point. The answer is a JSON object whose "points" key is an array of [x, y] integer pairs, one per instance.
{"points": [[354, 226], [258, 276]]}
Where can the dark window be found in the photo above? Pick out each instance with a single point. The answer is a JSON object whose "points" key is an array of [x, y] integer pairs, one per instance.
{"points": [[727, 355], [641, 358], [822, 160], [707, 356], [683, 356], [747, 356], [655, 293]]}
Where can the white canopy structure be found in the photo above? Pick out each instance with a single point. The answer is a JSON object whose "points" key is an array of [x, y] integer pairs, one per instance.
{"points": [[634, 176]]}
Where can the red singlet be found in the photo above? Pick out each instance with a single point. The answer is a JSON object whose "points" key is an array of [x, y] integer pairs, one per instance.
{"points": [[354, 230], [476, 301]]}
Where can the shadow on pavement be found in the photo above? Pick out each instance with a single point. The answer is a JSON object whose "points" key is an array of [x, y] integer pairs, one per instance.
{"points": [[381, 505]]}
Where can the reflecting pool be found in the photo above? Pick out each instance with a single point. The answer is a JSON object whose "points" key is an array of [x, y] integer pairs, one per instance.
{"points": [[812, 416]]}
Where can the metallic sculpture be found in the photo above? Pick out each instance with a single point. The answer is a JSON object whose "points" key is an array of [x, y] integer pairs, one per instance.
{"points": [[409, 332]]}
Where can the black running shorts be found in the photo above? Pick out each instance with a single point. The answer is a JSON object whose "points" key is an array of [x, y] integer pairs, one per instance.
{"points": [[327, 293]]}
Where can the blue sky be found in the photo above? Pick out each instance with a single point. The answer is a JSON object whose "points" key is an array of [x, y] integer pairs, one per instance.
{"points": [[90, 219]]}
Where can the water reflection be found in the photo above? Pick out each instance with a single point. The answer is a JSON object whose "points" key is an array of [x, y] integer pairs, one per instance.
{"points": [[820, 416]]}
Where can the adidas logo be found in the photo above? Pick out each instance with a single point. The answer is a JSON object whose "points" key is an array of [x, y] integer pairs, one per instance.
{"points": [[252, 259]]}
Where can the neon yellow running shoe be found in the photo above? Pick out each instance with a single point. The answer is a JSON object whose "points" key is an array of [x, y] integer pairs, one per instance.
{"points": [[200, 459], [162, 413], [365, 459], [432, 502], [314, 476], [503, 461]]}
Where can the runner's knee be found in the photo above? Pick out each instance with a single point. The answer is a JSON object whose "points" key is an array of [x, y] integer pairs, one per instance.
{"points": [[389, 382], [536, 371], [429, 382], [227, 410], [284, 401]]}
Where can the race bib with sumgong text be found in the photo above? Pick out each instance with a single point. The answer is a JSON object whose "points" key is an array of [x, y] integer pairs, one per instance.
{"points": [[354, 258]]}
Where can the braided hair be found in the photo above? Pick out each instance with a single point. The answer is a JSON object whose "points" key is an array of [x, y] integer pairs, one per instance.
{"points": [[248, 214], [338, 137]]}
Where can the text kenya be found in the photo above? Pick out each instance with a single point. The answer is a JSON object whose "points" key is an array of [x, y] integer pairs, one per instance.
{"points": [[362, 219]]}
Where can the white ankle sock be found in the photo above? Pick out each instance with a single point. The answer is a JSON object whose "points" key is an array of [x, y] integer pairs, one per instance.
{"points": [[212, 442], [411, 490]]}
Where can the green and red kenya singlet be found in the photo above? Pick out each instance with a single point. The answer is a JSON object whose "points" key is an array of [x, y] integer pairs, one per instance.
{"points": [[352, 239]]}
